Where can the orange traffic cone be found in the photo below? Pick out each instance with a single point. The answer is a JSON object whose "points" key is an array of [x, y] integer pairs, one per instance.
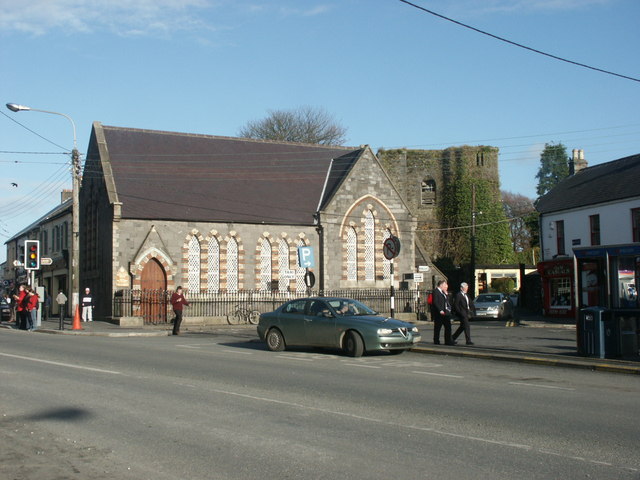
{"points": [[76, 319]]}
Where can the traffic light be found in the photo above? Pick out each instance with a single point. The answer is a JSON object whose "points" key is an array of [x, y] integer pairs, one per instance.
{"points": [[32, 254]]}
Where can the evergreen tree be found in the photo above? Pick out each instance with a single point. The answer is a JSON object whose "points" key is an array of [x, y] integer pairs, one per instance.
{"points": [[554, 166]]}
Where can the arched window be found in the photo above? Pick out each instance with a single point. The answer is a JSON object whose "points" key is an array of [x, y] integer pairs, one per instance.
{"points": [[386, 264], [369, 246], [428, 191], [232, 265], [193, 265], [213, 265], [265, 265], [352, 254], [283, 265]]}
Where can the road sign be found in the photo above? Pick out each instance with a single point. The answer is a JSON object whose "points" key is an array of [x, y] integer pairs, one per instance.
{"points": [[305, 257], [46, 261], [309, 279], [17, 263], [423, 268], [391, 247]]}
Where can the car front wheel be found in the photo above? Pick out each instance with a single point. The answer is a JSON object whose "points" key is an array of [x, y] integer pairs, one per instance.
{"points": [[275, 340], [353, 344]]}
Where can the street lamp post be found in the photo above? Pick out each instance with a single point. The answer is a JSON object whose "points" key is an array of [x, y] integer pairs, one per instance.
{"points": [[75, 222]]}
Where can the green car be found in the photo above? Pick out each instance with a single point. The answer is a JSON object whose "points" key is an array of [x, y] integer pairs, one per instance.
{"points": [[335, 323]]}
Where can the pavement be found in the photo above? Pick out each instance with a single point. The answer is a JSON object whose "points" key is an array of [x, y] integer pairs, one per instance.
{"points": [[534, 340]]}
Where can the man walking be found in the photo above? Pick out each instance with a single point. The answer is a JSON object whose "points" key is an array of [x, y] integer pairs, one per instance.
{"points": [[441, 314], [177, 302], [463, 307]]}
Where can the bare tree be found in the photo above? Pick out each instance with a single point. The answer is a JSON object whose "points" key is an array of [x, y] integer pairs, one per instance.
{"points": [[520, 209], [303, 124]]}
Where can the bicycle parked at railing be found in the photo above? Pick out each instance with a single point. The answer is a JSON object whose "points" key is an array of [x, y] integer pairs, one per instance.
{"points": [[243, 315]]}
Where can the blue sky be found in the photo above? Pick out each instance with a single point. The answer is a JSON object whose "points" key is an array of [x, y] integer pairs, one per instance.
{"points": [[393, 75]]}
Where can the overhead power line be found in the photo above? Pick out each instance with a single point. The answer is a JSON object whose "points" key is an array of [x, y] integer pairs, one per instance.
{"points": [[502, 39]]}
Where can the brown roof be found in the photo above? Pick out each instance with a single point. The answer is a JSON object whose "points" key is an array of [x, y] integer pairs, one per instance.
{"points": [[177, 176]]}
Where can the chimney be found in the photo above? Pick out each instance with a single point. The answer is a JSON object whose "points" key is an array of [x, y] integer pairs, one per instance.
{"points": [[577, 161], [65, 195]]}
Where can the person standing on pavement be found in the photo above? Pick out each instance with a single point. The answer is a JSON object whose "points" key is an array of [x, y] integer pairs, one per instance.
{"points": [[441, 313], [87, 306], [32, 300], [178, 302], [61, 300], [21, 312], [463, 308]]}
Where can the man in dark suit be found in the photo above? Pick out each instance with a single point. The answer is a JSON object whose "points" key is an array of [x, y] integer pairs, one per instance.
{"points": [[441, 314], [463, 308]]}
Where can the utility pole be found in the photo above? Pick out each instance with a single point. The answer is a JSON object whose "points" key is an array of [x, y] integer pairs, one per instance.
{"points": [[472, 279], [75, 230]]}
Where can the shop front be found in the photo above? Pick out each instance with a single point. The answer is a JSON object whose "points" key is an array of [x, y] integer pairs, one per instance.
{"points": [[558, 286]]}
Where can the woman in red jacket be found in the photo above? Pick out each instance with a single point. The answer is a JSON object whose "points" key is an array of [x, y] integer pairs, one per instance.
{"points": [[21, 319]]}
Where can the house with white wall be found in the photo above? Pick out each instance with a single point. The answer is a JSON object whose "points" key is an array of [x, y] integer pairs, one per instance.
{"points": [[590, 224]]}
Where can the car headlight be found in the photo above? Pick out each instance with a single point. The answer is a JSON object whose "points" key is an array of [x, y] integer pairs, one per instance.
{"points": [[385, 331], [414, 329], [492, 309]]}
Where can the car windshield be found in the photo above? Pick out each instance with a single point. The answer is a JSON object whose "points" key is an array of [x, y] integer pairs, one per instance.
{"points": [[488, 299], [347, 306]]}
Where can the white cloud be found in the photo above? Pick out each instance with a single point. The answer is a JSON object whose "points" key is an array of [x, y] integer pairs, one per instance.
{"points": [[123, 17]]}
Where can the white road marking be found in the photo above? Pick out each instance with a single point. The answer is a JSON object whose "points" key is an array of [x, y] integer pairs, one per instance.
{"points": [[363, 365], [435, 431], [524, 384], [437, 374], [60, 364], [291, 357]]}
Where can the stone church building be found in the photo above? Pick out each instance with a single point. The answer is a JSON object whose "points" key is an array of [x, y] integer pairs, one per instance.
{"points": [[223, 215]]}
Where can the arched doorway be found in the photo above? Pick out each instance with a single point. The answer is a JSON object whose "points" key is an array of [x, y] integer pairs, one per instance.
{"points": [[153, 295]]}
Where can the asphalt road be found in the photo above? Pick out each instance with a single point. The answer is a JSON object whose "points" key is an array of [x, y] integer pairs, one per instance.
{"points": [[219, 406]]}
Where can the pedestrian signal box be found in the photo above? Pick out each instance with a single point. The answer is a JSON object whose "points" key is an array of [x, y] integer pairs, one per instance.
{"points": [[32, 254]]}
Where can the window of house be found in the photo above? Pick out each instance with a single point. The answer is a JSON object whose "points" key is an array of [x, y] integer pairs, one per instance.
{"points": [[369, 246], [232, 265], [352, 254], [560, 292], [386, 264], [265, 265], [193, 265], [213, 265], [635, 224], [480, 159], [594, 227], [560, 238], [283, 265], [428, 192]]}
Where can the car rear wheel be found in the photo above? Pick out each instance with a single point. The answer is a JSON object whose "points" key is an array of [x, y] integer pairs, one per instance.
{"points": [[275, 340], [353, 344]]}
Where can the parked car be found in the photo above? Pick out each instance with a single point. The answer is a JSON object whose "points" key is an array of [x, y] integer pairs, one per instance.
{"points": [[5, 310], [335, 323], [493, 305]]}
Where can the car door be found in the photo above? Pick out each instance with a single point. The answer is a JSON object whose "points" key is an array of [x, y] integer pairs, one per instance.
{"points": [[320, 325], [292, 322]]}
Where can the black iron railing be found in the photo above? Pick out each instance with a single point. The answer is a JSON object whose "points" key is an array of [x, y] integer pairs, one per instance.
{"points": [[154, 305]]}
